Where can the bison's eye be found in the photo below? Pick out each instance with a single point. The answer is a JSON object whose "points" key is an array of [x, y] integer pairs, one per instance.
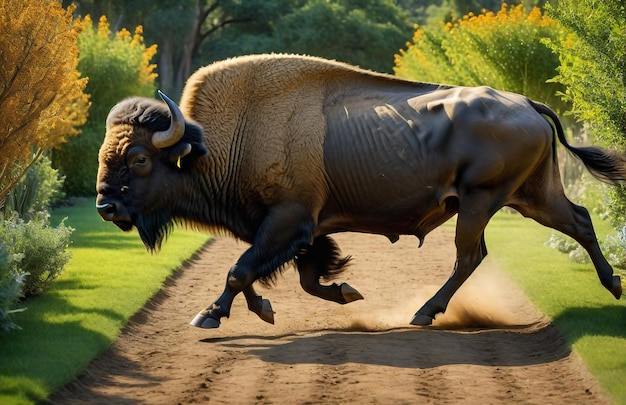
{"points": [[139, 162]]}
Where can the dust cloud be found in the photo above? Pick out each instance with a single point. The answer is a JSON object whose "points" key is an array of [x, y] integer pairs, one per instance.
{"points": [[487, 300]]}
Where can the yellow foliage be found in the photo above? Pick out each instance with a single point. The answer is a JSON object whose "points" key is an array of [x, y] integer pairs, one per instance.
{"points": [[502, 49], [507, 16], [41, 92], [136, 43]]}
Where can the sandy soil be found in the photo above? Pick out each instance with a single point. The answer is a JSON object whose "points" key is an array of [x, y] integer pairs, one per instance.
{"points": [[491, 346]]}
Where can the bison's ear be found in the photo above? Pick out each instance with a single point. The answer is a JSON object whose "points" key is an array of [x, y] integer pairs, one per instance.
{"points": [[178, 152], [190, 148]]}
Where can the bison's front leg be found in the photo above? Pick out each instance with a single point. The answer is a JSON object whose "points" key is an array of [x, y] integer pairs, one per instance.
{"points": [[209, 318], [284, 231], [240, 278], [259, 305]]}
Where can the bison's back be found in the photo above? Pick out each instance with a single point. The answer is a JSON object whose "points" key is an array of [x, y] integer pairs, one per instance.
{"points": [[401, 153]]}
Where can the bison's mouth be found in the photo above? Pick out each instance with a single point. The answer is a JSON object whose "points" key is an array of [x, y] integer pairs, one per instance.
{"points": [[124, 225]]}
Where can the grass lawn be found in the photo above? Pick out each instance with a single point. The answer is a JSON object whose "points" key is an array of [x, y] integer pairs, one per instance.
{"points": [[111, 276], [108, 279], [592, 321]]}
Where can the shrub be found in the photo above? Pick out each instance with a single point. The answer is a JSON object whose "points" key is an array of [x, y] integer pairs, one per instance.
{"points": [[11, 281], [43, 250], [592, 65], [504, 50], [613, 247], [36, 191], [41, 101], [118, 66]]}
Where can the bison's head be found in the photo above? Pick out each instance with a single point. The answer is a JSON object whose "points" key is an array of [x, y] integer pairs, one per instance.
{"points": [[148, 154]]}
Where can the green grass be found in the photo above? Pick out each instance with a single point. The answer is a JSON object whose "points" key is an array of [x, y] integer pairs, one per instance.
{"points": [[109, 278], [591, 320]]}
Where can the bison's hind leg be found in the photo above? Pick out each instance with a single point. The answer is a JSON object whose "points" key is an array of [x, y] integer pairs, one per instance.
{"points": [[557, 212], [323, 260]]}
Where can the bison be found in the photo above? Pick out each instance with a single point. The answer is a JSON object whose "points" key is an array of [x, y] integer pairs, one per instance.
{"points": [[281, 151]]}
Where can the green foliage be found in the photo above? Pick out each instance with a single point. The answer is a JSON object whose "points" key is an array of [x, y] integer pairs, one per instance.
{"points": [[71, 160], [38, 189], [117, 66], [38, 250], [592, 64], [365, 33], [592, 69], [11, 281], [193, 33], [504, 50], [359, 32], [22, 198], [49, 192], [617, 206]]}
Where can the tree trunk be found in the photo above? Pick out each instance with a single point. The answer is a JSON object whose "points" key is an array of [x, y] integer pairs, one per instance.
{"points": [[166, 71], [189, 47]]}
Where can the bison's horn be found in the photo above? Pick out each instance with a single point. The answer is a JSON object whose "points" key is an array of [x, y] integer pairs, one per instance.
{"points": [[167, 138]]}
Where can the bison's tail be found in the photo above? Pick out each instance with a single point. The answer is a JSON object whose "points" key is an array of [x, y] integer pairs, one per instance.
{"points": [[607, 166]]}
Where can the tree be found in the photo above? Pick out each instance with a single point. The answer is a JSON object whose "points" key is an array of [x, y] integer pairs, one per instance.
{"points": [[41, 92], [593, 71], [365, 33], [593, 64], [191, 33], [118, 66], [504, 50], [180, 27]]}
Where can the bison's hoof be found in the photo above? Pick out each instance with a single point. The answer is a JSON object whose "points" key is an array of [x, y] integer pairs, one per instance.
{"points": [[617, 287], [350, 294], [203, 321], [267, 314], [421, 320]]}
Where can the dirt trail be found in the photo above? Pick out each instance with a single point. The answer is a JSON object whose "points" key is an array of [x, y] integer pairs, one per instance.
{"points": [[490, 347]]}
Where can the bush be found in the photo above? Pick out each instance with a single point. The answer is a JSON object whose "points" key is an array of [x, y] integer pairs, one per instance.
{"points": [[41, 101], [613, 247], [42, 249], [38, 189], [11, 282], [592, 64], [118, 66], [504, 50]]}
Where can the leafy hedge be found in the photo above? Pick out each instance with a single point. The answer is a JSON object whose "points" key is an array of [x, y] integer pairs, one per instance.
{"points": [[32, 253], [37, 250], [118, 66], [11, 281]]}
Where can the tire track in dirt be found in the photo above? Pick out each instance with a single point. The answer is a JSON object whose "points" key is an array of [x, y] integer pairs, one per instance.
{"points": [[491, 346]]}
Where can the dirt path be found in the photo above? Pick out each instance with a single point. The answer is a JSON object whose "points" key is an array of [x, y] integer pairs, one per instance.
{"points": [[492, 346]]}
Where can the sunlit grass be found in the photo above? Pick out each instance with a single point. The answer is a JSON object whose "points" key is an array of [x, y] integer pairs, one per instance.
{"points": [[109, 278], [591, 320]]}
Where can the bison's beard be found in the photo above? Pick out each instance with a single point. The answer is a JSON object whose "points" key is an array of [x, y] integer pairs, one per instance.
{"points": [[154, 228]]}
